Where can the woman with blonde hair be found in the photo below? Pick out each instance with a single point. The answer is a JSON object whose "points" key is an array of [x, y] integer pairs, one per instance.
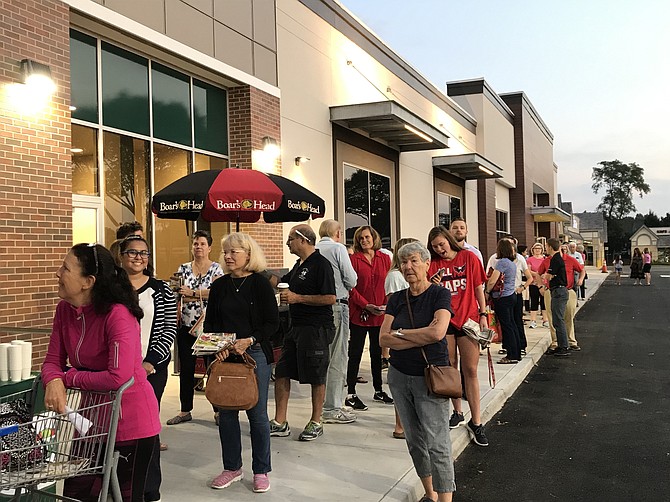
{"points": [[243, 302]]}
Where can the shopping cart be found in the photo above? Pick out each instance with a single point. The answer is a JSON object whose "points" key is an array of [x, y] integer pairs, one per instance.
{"points": [[48, 446]]}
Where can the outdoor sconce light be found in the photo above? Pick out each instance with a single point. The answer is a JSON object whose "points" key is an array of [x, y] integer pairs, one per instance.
{"points": [[37, 77], [271, 147], [301, 160]]}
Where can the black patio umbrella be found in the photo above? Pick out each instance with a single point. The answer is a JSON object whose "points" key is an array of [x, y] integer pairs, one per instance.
{"points": [[239, 195]]}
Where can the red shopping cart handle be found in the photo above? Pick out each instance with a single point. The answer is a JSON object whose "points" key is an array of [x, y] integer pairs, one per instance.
{"points": [[10, 429]]}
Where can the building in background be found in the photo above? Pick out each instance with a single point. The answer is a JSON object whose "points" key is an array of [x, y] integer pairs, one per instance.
{"points": [[656, 239], [593, 228]]}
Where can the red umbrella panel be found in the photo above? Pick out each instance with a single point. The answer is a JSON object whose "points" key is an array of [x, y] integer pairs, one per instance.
{"points": [[239, 195]]}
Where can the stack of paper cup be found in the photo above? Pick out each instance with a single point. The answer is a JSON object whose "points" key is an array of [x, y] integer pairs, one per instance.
{"points": [[27, 355], [4, 361], [15, 361]]}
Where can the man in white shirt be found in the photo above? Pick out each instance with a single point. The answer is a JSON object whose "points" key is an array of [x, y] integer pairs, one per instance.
{"points": [[331, 248], [572, 251], [459, 229]]}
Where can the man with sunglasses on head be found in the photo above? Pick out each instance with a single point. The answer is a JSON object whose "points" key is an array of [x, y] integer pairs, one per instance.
{"points": [[305, 354]]}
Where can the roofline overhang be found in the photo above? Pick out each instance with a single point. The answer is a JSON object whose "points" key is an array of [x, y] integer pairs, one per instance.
{"points": [[391, 123], [469, 166], [549, 214]]}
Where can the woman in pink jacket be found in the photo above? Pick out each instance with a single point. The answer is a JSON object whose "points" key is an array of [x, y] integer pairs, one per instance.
{"points": [[367, 303], [96, 331]]}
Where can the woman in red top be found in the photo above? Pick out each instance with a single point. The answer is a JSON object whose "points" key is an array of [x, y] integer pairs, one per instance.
{"points": [[461, 272], [367, 303]]}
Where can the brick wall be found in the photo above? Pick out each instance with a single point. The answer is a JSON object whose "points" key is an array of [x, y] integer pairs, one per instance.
{"points": [[35, 172], [254, 114]]}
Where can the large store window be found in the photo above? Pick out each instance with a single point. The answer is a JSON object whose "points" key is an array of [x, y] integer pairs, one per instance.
{"points": [[448, 208], [367, 201], [126, 170], [152, 125], [502, 226]]}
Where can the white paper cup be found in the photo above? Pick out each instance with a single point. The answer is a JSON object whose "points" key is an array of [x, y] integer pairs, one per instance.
{"points": [[4, 356], [4, 375], [281, 287], [15, 362], [27, 359]]}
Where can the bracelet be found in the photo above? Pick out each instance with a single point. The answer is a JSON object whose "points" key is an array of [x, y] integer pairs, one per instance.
{"points": [[482, 314]]}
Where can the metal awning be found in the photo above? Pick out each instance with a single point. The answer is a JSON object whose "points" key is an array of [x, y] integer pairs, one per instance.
{"points": [[469, 166], [549, 214], [391, 123]]}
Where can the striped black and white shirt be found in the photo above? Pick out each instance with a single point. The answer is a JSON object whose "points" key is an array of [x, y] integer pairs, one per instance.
{"points": [[159, 324]]}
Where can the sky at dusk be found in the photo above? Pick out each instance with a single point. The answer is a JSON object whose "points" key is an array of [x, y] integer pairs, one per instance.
{"points": [[597, 72]]}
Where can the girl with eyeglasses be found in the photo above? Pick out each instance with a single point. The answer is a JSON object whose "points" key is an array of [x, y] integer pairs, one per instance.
{"points": [[95, 345], [158, 330]]}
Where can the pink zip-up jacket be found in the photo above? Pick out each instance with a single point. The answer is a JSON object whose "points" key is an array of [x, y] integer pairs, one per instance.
{"points": [[104, 352]]}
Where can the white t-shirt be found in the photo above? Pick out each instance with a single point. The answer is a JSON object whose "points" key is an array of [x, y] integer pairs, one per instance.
{"points": [[394, 282]]}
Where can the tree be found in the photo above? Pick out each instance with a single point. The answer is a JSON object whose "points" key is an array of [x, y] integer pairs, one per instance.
{"points": [[619, 181]]}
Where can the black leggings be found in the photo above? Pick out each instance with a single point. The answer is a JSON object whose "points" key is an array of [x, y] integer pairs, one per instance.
{"points": [[536, 298], [356, 345]]}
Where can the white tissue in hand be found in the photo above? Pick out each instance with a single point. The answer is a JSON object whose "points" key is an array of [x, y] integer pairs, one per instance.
{"points": [[80, 423]]}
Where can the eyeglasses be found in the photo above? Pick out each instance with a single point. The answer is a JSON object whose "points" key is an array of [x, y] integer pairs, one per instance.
{"points": [[95, 256], [134, 253], [232, 252]]}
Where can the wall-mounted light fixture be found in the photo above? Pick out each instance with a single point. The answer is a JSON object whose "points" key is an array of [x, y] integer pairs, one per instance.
{"points": [[271, 147], [301, 160], [37, 77]]}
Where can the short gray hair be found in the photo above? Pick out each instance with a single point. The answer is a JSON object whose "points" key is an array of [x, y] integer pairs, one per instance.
{"points": [[413, 248]]}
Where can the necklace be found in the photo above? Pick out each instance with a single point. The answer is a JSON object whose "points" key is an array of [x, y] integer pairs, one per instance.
{"points": [[237, 288]]}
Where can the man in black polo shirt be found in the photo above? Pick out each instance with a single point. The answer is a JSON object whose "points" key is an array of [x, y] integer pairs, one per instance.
{"points": [[558, 283], [305, 353]]}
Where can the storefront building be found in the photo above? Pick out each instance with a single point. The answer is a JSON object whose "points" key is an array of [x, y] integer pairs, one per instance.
{"points": [[148, 92]]}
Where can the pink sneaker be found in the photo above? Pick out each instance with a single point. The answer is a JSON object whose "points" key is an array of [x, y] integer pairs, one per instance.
{"points": [[261, 483], [226, 478]]}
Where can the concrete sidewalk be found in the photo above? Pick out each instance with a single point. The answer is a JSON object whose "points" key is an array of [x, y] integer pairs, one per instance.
{"points": [[358, 461]]}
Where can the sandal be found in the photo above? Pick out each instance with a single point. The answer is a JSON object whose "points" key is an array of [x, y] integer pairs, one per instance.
{"points": [[163, 447], [360, 379], [179, 419], [398, 435], [505, 360]]}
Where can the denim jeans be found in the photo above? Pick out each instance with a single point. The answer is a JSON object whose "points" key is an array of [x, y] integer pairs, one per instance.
{"points": [[518, 320], [559, 300], [504, 309], [426, 422], [339, 358], [229, 424]]}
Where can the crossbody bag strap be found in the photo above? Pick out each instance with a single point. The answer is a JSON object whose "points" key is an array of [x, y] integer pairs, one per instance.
{"points": [[411, 320]]}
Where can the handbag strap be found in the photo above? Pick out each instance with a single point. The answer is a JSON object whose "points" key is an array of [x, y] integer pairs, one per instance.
{"points": [[247, 361]]}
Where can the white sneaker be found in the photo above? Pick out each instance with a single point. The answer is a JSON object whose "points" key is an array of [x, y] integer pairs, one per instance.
{"points": [[545, 324], [338, 417], [532, 325]]}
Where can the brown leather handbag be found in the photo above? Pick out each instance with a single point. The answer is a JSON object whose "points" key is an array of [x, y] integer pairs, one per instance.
{"points": [[442, 381], [233, 386]]}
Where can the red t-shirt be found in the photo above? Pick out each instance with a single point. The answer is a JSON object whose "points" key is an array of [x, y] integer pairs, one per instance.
{"points": [[462, 275], [571, 266]]}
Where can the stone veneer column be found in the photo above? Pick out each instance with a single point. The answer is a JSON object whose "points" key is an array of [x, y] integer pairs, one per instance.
{"points": [[254, 114], [35, 171]]}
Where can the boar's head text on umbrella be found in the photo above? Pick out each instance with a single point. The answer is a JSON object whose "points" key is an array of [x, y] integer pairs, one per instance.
{"points": [[239, 195]]}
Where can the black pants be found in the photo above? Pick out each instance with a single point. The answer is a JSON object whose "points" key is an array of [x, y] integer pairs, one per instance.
{"points": [[154, 478], [187, 368], [357, 336], [132, 468], [518, 320]]}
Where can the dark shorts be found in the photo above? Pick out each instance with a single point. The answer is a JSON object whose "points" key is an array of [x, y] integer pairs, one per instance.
{"points": [[646, 268], [453, 330], [305, 355]]}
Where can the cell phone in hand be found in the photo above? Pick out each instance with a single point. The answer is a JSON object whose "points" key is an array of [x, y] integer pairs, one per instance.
{"points": [[438, 275]]}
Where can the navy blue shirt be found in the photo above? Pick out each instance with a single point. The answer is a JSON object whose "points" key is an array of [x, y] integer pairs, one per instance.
{"points": [[424, 306]]}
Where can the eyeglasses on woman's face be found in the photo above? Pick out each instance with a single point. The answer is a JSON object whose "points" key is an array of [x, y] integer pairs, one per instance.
{"points": [[233, 252], [134, 253]]}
